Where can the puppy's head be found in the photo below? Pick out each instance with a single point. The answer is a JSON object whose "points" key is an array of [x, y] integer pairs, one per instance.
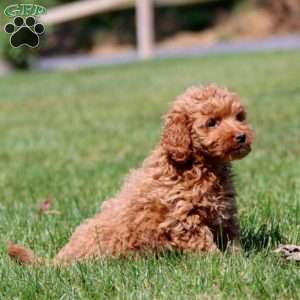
{"points": [[207, 121]]}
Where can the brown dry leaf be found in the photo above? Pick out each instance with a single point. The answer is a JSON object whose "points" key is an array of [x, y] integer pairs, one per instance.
{"points": [[45, 205], [289, 252]]}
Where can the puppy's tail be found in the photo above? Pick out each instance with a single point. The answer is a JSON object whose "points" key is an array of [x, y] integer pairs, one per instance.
{"points": [[22, 255]]}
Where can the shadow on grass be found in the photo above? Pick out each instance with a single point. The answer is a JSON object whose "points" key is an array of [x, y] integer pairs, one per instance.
{"points": [[255, 239]]}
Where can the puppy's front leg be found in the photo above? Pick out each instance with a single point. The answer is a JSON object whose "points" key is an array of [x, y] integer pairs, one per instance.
{"points": [[201, 240], [234, 246], [189, 238], [227, 235], [232, 232]]}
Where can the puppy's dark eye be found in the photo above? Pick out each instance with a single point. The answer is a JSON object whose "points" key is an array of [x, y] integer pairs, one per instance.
{"points": [[211, 123], [241, 116]]}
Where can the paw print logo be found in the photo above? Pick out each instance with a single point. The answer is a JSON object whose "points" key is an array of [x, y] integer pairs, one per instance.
{"points": [[24, 33]]}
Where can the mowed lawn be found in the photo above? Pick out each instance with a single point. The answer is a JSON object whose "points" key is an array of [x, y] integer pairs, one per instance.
{"points": [[74, 136]]}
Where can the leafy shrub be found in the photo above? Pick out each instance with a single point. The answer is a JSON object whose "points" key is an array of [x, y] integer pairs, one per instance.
{"points": [[81, 34]]}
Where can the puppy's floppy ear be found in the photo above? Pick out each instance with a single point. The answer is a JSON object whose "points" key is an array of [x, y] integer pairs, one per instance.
{"points": [[176, 137]]}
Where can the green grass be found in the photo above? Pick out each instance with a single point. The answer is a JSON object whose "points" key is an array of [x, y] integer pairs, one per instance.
{"points": [[75, 135]]}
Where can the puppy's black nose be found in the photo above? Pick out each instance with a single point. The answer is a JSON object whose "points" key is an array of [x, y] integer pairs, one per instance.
{"points": [[240, 138]]}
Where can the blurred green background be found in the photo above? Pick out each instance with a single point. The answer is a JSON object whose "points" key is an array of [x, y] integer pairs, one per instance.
{"points": [[226, 19]]}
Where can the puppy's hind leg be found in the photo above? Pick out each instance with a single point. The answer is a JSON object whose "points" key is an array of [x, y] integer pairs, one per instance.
{"points": [[84, 243]]}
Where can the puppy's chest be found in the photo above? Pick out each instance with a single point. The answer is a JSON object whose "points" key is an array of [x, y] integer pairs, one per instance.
{"points": [[212, 197]]}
